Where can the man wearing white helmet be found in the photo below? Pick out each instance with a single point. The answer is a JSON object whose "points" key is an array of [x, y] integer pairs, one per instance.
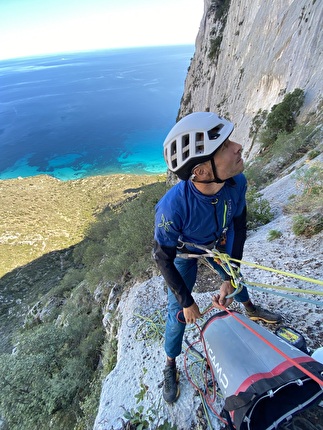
{"points": [[206, 208]]}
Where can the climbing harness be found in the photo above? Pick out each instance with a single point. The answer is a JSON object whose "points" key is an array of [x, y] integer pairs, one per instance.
{"points": [[222, 259]]}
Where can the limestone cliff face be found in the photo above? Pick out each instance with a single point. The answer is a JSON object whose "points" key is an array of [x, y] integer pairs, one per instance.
{"points": [[249, 54]]}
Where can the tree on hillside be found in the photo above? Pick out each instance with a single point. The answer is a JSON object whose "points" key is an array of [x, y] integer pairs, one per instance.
{"points": [[282, 117]]}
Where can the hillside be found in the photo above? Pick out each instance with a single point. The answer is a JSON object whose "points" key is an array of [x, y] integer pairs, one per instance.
{"points": [[42, 214], [43, 221], [56, 299]]}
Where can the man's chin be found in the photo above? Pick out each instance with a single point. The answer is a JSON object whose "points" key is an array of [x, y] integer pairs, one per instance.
{"points": [[241, 166]]}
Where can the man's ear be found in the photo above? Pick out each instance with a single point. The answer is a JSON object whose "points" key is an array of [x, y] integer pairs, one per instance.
{"points": [[201, 171]]}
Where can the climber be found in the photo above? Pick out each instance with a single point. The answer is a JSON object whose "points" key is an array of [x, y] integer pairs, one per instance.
{"points": [[207, 207]]}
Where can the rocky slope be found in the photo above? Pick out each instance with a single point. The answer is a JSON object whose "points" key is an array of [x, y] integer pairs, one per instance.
{"points": [[249, 54], [142, 311]]}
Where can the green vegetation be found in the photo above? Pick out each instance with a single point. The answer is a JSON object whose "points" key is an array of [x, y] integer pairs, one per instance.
{"points": [[259, 212], [282, 117], [48, 375], [255, 126], [141, 419], [215, 44], [311, 183], [313, 154], [118, 246], [307, 226], [287, 149], [308, 205], [284, 141], [219, 9], [42, 214], [274, 234], [257, 122]]}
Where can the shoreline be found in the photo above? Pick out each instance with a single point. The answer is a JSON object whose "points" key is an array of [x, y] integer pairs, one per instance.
{"points": [[107, 174]]}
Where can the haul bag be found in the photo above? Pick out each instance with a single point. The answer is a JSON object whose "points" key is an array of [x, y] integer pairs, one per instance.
{"points": [[261, 387]]}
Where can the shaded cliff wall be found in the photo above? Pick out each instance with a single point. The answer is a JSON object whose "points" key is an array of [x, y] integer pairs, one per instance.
{"points": [[249, 54]]}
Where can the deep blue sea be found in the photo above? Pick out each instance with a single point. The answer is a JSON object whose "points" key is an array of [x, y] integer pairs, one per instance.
{"points": [[83, 114]]}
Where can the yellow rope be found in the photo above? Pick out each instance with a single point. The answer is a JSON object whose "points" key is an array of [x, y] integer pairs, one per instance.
{"points": [[293, 290], [224, 259], [281, 272]]}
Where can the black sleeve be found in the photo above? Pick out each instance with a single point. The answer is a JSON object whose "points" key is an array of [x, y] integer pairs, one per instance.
{"points": [[240, 234], [164, 257]]}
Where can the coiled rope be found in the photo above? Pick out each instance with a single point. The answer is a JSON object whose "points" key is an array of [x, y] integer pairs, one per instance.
{"points": [[149, 328]]}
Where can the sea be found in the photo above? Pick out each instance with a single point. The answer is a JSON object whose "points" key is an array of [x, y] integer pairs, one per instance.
{"points": [[90, 113]]}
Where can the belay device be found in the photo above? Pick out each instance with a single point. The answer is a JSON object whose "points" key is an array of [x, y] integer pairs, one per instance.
{"points": [[260, 386]]}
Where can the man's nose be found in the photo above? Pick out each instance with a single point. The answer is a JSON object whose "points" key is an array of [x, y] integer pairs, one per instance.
{"points": [[237, 147]]}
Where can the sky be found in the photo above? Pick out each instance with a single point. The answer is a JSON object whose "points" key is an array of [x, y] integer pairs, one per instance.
{"points": [[36, 27]]}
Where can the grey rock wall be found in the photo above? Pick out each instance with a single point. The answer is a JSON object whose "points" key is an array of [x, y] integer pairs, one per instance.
{"points": [[266, 49]]}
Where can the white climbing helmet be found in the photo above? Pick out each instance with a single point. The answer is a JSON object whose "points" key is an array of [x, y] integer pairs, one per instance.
{"points": [[194, 140]]}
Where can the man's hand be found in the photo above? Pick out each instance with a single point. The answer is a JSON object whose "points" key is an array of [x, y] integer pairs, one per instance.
{"points": [[191, 314], [220, 300]]}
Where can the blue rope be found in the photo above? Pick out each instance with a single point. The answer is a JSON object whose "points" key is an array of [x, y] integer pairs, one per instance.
{"points": [[286, 296]]}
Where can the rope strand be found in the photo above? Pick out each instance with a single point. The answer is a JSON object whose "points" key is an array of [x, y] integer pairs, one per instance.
{"points": [[231, 266]]}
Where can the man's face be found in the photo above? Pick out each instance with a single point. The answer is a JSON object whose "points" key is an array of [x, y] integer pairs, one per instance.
{"points": [[228, 160]]}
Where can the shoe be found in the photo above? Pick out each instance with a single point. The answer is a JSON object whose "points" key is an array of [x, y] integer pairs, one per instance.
{"points": [[264, 315], [171, 386]]}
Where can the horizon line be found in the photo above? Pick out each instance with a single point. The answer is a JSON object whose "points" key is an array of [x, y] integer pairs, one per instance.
{"points": [[79, 51]]}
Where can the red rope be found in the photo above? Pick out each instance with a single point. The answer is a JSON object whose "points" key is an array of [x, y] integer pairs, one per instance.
{"points": [[208, 399]]}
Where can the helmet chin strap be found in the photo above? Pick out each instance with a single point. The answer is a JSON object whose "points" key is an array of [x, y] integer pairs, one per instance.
{"points": [[211, 181]]}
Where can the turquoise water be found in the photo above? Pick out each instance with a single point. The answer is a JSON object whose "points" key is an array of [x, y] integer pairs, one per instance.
{"points": [[92, 113]]}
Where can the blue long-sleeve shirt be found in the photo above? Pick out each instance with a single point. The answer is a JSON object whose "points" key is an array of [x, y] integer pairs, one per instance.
{"points": [[185, 214]]}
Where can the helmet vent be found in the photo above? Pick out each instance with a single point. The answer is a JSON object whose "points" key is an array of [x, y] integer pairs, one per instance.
{"points": [[199, 143], [214, 133], [185, 146], [173, 154]]}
